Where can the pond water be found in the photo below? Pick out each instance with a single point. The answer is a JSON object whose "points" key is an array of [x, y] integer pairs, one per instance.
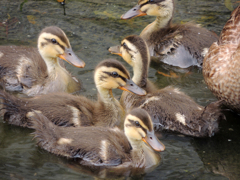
{"points": [[92, 26]]}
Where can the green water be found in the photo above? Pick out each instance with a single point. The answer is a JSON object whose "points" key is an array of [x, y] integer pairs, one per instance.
{"points": [[92, 26]]}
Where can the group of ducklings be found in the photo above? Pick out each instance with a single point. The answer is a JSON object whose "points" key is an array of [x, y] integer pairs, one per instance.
{"points": [[91, 131]]}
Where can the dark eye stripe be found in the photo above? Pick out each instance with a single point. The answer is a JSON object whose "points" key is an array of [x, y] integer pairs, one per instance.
{"points": [[50, 40], [133, 124], [125, 46], [119, 76]]}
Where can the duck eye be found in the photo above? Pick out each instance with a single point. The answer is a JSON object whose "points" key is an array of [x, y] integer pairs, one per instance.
{"points": [[54, 41], [114, 74], [137, 123], [124, 45], [150, 0]]}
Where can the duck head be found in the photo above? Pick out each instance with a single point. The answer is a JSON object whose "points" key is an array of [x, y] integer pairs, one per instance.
{"points": [[160, 8], [53, 43], [139, 130], [111, 74]]}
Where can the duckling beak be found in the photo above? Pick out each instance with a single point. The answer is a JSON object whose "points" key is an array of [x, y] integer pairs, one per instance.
{"points": [[153, 141], [134, 12], [72, 58], [115, 50], [133, 88]]}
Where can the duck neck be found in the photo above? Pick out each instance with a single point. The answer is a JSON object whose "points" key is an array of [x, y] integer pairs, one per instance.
{"points": [[113, 107], [52, 65], [160, 23], [106, 95], [137, 153]]}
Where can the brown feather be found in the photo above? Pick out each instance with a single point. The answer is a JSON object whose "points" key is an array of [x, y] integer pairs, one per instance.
{"points": [[221, 64]]}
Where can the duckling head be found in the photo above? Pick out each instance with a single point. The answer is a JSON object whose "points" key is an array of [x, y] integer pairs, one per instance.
{"points": [[53, 43], [111, 74], [160, 8], [133, 50], [138, 128]]}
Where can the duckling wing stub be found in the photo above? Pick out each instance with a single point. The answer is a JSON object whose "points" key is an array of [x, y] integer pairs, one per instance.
{"points": [[17, 68], [181, 45]]}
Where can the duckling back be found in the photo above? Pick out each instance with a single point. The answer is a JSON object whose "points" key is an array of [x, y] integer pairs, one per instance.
{"points": [[97, 146]]}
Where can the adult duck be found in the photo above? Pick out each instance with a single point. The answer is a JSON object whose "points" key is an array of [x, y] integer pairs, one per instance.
{"points": [[32, 71], [102, 146], [69, 110], [174, 44], [222, 63], [169, 108]]}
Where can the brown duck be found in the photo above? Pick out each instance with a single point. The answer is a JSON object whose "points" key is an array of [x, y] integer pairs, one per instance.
{"points": [[102, 146], [169, 108], [174, 44], [68, 110], [32, 71], [222, 64]]}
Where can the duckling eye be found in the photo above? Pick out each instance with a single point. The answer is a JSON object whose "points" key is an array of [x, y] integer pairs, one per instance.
{"points": [[137, 123], [124, 45], [115, 74], [150, 0], [54, 41]]}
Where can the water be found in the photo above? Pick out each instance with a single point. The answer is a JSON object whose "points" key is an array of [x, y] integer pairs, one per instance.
{"points": [[92, 26]]}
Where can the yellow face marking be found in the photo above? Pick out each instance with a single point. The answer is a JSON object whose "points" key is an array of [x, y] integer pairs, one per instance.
{"points": [[163, 9], [49, 49], [142, 1], [129, 53], [106, 81], [134, 132]]}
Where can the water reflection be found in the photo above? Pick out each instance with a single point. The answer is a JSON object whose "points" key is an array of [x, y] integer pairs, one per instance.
{"points": [[92, 26]]}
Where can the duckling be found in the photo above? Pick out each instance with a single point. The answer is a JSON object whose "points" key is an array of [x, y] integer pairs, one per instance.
{"points": [[32, 71], [169, 108], [102, 146], [221, 64], [173, 44], [69, 110]]}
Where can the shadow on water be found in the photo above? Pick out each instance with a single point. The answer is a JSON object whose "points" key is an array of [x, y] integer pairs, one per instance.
{"points": [[92, 26]]}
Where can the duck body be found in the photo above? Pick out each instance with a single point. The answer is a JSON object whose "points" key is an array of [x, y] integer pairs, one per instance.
{"points": [[169, 108], [221, 64], [177, 45], [101, 146], [31, 71], [68, 110]]}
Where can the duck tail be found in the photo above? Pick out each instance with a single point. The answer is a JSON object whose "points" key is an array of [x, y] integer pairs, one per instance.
{"points": [[211, 115], [44, 131], [13, 109]]}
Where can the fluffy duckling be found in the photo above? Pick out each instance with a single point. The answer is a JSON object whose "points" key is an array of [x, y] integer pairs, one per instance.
{"points": [[169, 108], [102, 146], [32, 71], [68, 110], [221, 64], [177, 45]]}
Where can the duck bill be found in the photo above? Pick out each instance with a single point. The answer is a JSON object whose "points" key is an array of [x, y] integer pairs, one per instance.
{"points": [[72, 58], [115, 50], [134, 12], [133, 88], [153, 141]]}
